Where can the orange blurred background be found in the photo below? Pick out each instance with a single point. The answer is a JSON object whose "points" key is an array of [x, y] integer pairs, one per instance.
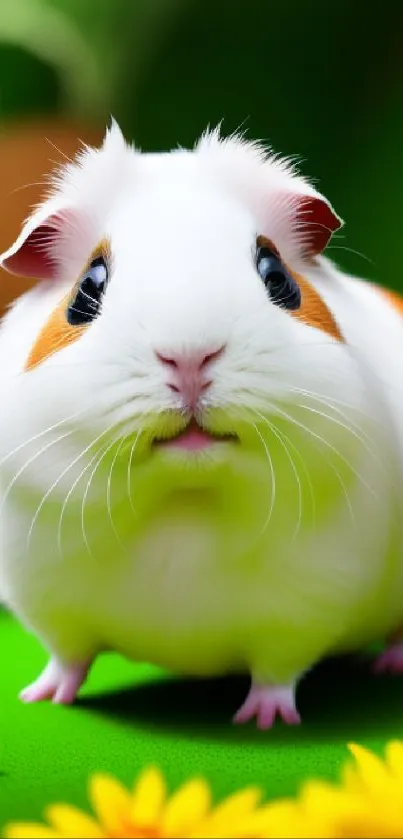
{"points": [[28, 151]]}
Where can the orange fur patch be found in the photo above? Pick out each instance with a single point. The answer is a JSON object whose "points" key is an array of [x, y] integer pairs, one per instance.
{"points": [[55, 335], [313, 309], [58, 333], [394, 298]]}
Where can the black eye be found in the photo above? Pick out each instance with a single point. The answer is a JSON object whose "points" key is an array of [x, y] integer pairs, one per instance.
{"points": [[86, 304], [281, 286]]}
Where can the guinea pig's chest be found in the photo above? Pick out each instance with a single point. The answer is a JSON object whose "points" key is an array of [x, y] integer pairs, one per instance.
{"points": [[188, 592], [182, 597], [194, 577]]}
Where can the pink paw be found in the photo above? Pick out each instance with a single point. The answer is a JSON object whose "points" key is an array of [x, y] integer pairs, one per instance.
{"points": [[390, 661], [58, 682], [266, 702]]}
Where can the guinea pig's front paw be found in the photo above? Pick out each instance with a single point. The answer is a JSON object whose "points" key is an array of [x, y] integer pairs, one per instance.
{"points": [[265, 702], [59, 682]]}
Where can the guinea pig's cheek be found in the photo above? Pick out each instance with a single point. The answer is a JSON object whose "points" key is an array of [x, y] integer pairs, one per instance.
{"points": [[54, 336], [314, 311]]}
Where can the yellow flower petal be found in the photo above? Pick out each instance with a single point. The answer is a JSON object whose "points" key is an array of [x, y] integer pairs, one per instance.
{"points": [[27, 830], [372, 771], [111, 802], [73, 823], [148, 798], [319, 797], [394, 758], [228, 813], [186, 809], [361, 825], [281, 820], [350, 779]]}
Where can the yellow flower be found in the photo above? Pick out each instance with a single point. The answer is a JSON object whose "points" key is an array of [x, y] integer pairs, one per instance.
{"points": [[368, 802], [147, 811]]}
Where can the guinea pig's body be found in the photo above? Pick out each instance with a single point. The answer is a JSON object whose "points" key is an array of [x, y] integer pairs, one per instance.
{"points": [[205, 471]]}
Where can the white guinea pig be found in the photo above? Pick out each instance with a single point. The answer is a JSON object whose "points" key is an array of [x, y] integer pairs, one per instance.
{"points": [[201, 435]]}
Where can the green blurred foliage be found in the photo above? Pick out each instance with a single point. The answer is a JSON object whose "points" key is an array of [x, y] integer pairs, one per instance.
{"points": [[321, 80]]}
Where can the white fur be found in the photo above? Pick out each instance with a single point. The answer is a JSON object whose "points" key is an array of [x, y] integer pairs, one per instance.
{"points": [[197, 577]]}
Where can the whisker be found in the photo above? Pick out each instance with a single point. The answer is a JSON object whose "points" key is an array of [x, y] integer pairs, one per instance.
{"points": [[331, 401], [56, 148], [278, 436], [273, 479], [272, 475], [40, 434], [351, 250], [28, 186], [28, 463], [86, 492], [351, 430], [66, 500], [57, 481], [331, 447], [308, 477], [129, 472], [361, 435], [322, 440], [109, 487]]}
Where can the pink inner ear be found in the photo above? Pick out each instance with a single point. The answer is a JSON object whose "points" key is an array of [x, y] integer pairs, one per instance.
{"points": [[33, 258], [318, 222]]}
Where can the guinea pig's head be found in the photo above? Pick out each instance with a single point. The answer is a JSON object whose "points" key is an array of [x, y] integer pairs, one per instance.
{"points": [[178, 308]]}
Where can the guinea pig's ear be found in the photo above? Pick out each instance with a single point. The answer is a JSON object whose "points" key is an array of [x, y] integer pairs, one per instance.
{"points": [[35, 251], [315, 220], [58, 236]]}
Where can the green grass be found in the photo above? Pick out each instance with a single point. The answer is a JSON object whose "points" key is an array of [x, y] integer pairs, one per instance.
{"points": [[129, 716]]}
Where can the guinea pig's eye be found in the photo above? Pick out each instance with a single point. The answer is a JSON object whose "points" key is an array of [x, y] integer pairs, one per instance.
{"points": [[86, 303], [281, 286]]}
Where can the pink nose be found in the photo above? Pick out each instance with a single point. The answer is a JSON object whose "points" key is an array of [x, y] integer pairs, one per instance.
{"points": [[189, 373]]}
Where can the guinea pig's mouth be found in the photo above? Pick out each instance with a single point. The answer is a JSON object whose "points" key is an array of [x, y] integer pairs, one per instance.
{"points": [[193, 438]]}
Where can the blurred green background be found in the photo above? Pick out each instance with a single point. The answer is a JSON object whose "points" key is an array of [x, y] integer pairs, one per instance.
{"points": [[322, 80]]}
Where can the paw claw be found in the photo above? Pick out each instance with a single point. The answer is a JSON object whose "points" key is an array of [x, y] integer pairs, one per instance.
{"points": [[266, 703], [34, 693], [291, 716], [60, 683]]}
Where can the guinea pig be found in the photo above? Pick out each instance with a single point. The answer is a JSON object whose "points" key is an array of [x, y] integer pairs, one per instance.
{"points": [[201, 435]]}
